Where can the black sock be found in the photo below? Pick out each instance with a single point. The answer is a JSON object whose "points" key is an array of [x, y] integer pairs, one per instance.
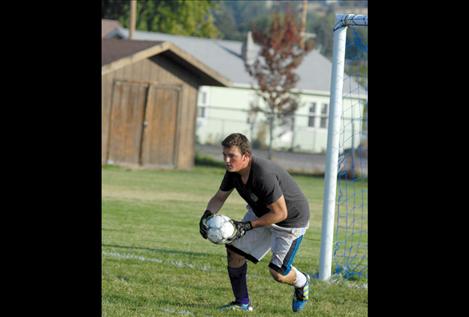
{"points": [[238, 283]]}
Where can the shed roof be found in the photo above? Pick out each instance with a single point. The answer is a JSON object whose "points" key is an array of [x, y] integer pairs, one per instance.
{"points": [[116, 53], [113, 49], [109, 27]]}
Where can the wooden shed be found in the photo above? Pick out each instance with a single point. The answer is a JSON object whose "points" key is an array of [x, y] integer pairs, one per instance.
{"points": [[149, 103]]}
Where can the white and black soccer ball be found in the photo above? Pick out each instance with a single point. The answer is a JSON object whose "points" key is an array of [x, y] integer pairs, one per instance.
{"points": [[221, 229]]}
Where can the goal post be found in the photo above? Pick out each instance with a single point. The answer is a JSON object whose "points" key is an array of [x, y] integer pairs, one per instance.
{"points": [[334, 147]]}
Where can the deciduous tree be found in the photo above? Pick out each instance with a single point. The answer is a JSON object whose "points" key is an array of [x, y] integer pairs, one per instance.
{"points": [[182, 17], [280, 54]]}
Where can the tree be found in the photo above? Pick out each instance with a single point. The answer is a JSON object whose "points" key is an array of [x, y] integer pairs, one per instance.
{"points": [[113, 9], [280, 54], [180, 17]]}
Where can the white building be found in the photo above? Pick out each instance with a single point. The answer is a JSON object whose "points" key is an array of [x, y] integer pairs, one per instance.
{"points": [[224, 110]]}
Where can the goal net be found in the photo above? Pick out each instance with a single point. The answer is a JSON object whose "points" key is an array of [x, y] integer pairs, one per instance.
{"points": [[344, 240]]}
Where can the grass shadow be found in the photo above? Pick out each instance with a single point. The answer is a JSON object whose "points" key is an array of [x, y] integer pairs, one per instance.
{"points": [[159, 251]]}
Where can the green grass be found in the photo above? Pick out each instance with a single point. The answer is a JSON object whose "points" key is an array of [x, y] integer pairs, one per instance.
{"points": [[154, 262]]}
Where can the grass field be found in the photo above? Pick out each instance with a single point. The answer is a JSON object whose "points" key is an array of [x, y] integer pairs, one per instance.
{"points": [[154, 262]]}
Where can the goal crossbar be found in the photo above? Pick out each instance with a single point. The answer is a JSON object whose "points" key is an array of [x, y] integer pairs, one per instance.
{"points": [[344, 20]]}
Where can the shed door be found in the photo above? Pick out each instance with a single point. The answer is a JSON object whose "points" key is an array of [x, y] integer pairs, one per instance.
{"points": [[160, 134], [128, 107]]}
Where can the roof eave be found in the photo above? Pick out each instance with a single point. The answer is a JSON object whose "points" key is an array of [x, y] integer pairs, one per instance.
{"points": [[211, 76]]}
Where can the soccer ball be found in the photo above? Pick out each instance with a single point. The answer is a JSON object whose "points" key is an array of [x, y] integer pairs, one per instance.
{"points": [[220, 229]]}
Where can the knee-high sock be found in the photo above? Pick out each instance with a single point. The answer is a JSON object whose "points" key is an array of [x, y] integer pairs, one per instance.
{"points": [[300, 278], [238, 283]]}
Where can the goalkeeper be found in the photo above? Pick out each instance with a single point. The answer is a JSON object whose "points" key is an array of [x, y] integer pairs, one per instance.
{"points": [[276, 219]]}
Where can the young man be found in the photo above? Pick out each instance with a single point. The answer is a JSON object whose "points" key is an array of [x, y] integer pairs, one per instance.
{"points": [[276, 219]]}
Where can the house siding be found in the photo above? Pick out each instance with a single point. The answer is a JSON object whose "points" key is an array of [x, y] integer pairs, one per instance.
{"points": [[226, 111]]}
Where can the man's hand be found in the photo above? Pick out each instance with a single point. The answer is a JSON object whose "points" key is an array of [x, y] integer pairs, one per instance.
{"points": [[203, 223], [241, 228]]}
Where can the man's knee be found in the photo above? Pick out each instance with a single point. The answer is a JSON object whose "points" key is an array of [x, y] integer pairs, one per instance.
{"points": [[234, 259]]}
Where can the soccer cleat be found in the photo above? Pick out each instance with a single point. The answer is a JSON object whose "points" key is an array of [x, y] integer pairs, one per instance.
{"points": [[236, 306], [301, 296]]}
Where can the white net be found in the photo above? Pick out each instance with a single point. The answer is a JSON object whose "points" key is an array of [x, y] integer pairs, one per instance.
{"points": [[350, 249]]}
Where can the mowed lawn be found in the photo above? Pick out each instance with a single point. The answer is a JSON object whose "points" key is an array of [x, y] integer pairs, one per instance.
{"points": [[154, 262]]}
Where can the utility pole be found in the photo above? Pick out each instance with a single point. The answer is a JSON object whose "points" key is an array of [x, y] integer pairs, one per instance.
{"points": [[304, 11], [133, 13]]}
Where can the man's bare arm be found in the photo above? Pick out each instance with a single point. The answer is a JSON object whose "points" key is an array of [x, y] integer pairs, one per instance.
{"points": [[217, 201], [278, 212]]}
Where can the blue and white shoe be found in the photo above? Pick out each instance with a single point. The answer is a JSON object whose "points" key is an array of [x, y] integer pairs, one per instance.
{"points": [[301, 296], [236, 306]]}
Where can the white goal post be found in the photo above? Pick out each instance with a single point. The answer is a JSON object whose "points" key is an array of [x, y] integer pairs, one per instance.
{"points": [[332, 155]]}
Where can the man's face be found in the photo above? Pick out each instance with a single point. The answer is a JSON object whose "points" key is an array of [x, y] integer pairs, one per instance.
{"points": [[234, 160]]}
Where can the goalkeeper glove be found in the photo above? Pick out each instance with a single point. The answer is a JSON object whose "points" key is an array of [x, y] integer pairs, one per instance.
{"points": [[241, 228], [203, 223]]}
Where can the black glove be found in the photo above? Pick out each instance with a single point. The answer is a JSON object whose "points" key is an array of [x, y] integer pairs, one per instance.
{"points": [[241, 228], [203, 223]]}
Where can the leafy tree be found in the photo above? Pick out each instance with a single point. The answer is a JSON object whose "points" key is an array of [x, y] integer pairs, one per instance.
{"points": [[226, 23], [182, 17], [322, 27], [113, 9], [234, 18], [273, 69]]}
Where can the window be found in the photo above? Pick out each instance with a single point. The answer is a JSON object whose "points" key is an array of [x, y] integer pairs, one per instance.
{"points": [[201, 111], [323, 123], [202, 106], [312, 115], [203, 97]]}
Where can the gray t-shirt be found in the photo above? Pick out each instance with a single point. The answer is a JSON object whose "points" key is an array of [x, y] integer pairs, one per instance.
{"points": [[266, 184]]}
